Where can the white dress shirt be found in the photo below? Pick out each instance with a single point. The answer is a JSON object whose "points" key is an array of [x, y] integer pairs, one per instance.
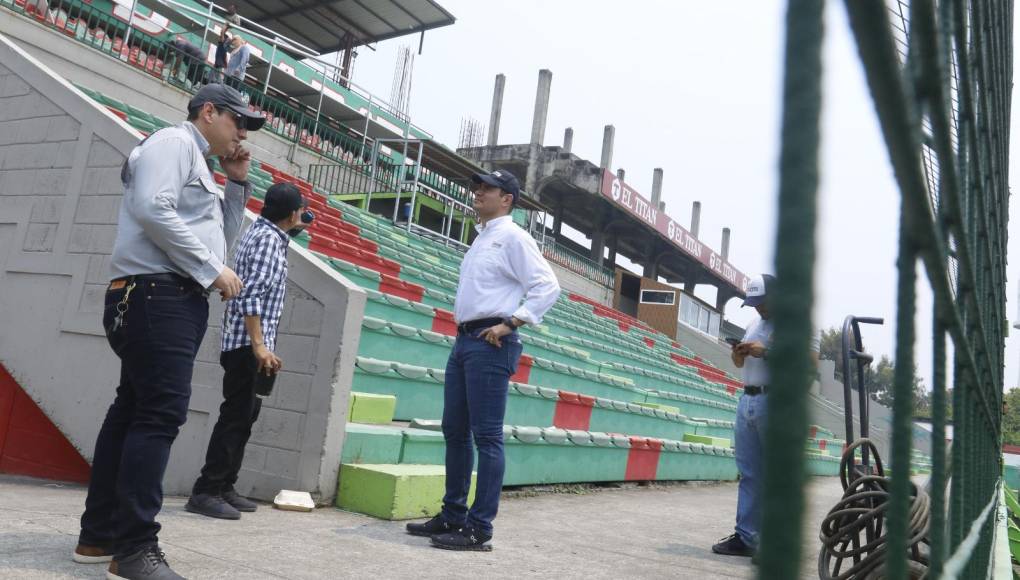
{"points": [[502, 267]]}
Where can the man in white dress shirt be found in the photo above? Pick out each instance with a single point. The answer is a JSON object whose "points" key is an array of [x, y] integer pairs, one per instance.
{"points": [[502, 268]]}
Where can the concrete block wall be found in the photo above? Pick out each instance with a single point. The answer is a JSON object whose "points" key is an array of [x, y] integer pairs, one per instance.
{"points": [[60, 158]]}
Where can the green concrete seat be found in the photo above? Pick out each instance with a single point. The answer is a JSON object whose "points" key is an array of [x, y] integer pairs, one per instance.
{"points": [[393, 492]]}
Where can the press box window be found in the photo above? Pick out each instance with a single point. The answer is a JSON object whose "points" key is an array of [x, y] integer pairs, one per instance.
{"points": [[658, 297]]}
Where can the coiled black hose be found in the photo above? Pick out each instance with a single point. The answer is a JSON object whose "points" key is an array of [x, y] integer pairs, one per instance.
{"points": [[853, 533]]}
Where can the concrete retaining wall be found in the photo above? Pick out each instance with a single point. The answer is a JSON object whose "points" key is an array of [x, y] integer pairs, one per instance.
{"points": [[60, 158]]}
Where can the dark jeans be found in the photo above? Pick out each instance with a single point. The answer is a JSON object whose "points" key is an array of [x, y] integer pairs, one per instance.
{"points": [[238, 412], [477, 382], [157, 345]]}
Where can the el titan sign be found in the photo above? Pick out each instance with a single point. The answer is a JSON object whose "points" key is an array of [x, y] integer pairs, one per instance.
{"points": [[635, 204]]}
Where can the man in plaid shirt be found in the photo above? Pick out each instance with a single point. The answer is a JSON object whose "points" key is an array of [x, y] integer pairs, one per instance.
{"points": [[249, 339]]}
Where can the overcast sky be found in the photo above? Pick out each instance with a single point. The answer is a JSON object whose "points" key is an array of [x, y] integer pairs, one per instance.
{"points": [[694, 88]]}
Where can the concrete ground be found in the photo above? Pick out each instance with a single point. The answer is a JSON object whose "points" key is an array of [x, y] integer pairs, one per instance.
{"points": [[629, 532]]}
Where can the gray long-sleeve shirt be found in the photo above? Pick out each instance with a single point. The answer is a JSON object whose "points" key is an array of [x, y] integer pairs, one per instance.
{"points": [[173, 217]]}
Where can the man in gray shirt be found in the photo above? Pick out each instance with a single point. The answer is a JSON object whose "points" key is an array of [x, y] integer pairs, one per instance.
{"points": [[174, 230]]}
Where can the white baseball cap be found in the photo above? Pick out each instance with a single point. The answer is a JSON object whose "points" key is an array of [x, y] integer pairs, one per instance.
{"points": [[758, 289]]}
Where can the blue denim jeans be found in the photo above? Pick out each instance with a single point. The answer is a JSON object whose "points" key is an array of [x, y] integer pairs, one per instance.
{"points": [[477, 382], [157, 344], [750, 438]]}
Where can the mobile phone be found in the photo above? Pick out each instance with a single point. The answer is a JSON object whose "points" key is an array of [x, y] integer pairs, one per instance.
{"points": [[264, 383]]}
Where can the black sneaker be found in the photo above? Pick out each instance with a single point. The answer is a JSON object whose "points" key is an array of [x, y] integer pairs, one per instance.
{"points": [[467, 539], [436, 525], [241, 504], [733, 546], [213, 506], [149, 563]]}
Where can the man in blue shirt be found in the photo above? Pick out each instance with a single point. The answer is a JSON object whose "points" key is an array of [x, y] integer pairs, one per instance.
{"points": [[750, 355], [173, 231], [238, 62], [250, 322]]}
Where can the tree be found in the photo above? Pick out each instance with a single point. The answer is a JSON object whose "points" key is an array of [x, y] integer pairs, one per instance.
{"points": [[831, 348], [1011, 418], [878, 377]]}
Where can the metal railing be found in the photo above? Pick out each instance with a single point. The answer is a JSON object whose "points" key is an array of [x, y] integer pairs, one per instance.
{"points": [[941, 90], [103, 32], [577, 263], [354, 178]]}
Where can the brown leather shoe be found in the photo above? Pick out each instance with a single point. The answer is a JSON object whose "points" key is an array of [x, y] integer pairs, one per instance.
{"points": [[91, 554]]}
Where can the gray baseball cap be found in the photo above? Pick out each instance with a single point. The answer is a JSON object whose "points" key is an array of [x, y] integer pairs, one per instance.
{"points": [[226, 97]]}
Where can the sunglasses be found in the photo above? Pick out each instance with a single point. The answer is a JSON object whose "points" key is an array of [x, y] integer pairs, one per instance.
{"points": [[238, 118]]}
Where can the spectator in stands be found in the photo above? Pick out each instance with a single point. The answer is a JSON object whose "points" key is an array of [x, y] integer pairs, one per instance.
{"points": [[174, 229], [232, 16], [190, 56], [238, 63], [222, 49], [749, 432], [502, 267], [247, 349]]}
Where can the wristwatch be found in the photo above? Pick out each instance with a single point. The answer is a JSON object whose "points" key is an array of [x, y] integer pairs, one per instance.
{"points": [[510, 322]]}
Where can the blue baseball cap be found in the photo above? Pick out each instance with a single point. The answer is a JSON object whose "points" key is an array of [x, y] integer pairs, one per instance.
{"points": [[502, 179]]}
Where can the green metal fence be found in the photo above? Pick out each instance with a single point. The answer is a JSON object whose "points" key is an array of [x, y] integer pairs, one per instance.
{"points": [[940, 75]]}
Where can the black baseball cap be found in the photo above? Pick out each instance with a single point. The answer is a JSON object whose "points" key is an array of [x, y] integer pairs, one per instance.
{"points": [[502, 179], [226, 97], [284, 198]]}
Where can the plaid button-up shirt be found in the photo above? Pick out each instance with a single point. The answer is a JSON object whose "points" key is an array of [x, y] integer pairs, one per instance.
{"points": [[261, 263]]}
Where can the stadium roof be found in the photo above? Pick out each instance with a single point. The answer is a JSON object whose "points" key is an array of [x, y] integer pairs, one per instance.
{"points": [[326, 25]]}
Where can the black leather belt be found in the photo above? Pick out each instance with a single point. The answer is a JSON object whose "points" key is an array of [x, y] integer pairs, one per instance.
{"points": [[755, 389], [473, 325], [166, 278]]}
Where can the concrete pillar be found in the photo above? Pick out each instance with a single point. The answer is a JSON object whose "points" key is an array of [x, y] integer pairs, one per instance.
{"points": [[557, 220], [695, 218], [656, 186], [497, 109], [662, 206], [691, 279], [651, 270], [651, 263], [608, 135], [541, 106], [598, 246], [568, 139], [722, 296], [620, 174], [725, 246]]}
